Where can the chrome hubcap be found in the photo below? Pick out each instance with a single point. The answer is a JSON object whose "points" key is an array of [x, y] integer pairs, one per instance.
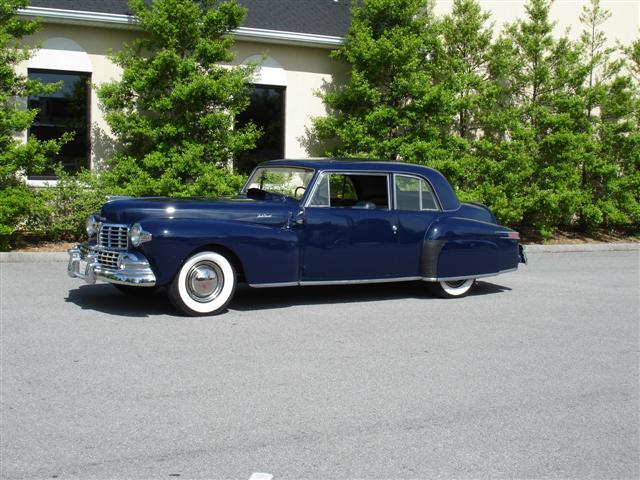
{"points": [[456, 284], [204, 281]]}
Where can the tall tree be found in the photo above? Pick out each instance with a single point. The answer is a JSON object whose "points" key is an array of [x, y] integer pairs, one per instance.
{"points": [[16, 156], [616, 201], [173, 111], [599, 71], [392, 106], [467, 45], [467, 42], [535, 139]]}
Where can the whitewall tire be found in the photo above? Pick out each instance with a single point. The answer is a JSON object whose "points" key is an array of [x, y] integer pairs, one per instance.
{"points": [[454, 288], [204, 285]]}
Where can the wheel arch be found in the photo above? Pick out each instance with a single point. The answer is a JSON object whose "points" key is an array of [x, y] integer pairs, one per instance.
{"points": [[232, 256]]}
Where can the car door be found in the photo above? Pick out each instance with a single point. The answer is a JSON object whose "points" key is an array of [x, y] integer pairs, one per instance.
{"points": [[417, 208], [350, 231]]}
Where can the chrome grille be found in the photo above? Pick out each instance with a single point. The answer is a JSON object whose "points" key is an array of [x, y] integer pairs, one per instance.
{"points": [[108, 259], [113, 236]]}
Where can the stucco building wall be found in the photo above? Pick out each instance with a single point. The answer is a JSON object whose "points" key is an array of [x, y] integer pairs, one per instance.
{"points": [[622, 26], [304, 70], [307, 70]]}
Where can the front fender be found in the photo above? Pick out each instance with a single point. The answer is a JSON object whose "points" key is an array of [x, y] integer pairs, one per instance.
{"points": [[268, 254]]}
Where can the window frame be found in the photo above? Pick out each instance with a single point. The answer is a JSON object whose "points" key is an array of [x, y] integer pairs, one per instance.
{"points": [[88, 75], [243, 190], [418, 177], [318, 180]]}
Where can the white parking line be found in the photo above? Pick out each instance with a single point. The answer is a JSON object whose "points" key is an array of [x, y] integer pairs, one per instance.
{"points": [[261, 476]]}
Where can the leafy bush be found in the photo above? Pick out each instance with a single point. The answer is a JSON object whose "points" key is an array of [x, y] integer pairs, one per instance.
{"points": [[63, 208], [173, 110]]}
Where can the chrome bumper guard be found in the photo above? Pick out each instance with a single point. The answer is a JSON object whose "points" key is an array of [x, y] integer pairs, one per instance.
{"points": [[133, 268], [522, 254]]}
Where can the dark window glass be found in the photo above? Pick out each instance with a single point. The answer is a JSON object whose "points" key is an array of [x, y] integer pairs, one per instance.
{"points": [[351, 191], [65, 110], [343, 194], [266, 111]]}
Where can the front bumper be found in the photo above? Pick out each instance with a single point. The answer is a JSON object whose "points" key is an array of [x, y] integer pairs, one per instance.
{"points": [[133, 268]]}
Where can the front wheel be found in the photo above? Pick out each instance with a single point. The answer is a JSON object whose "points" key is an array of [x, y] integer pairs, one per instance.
{"points": [[204, 285], [453, 288]]}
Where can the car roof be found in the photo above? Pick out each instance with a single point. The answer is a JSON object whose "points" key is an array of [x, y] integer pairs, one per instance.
{"points": [[351, 164], [443, 189]]}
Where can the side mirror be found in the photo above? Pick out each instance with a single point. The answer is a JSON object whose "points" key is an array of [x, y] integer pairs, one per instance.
{"points": [[296, 219]]}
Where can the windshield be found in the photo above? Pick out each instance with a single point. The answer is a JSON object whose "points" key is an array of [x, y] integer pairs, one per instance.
{"points": [[288, 181]]}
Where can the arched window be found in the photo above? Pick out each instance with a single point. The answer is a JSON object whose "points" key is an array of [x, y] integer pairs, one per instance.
{"points": [[267, 111], [68, 108]]}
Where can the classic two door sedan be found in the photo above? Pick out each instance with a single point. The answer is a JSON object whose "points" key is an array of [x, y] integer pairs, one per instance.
{"points": [[298, 222]]}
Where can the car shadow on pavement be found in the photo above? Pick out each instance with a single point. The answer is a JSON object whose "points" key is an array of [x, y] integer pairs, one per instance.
{"points": [[248, 299], [104, 298]]}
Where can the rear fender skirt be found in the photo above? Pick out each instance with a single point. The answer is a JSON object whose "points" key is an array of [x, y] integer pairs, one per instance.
{"points": [[429, 260]]}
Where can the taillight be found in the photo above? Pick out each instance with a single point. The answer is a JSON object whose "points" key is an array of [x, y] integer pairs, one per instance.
{"points": [[511, 235]]}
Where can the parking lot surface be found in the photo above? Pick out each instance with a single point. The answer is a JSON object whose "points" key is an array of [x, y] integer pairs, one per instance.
{"points": [[535, 375]]}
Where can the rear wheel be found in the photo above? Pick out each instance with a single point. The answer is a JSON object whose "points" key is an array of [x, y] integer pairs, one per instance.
{"points": [[453, 288], [204, 285]]}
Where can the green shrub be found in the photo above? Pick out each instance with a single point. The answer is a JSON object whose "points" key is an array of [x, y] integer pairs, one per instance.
{"points": [[64, 208]]}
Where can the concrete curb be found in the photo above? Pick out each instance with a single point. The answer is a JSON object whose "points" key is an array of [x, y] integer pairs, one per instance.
{"points": [[582, 247], [33, 257], [40, 257]]}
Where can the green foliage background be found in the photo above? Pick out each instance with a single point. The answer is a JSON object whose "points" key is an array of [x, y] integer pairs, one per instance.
{"points": [[173, 111], [543, 129], [18, 202]]}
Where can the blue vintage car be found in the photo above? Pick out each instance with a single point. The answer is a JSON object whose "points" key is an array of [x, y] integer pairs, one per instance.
{"points": [[298, 222]]}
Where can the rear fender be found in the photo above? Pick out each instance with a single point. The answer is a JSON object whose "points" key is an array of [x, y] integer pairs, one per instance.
{"points": [[456, 247]]}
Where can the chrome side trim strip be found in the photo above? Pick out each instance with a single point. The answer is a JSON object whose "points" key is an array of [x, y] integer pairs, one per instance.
{"points": [[357, 282], [273, 285], [482, 275], [374, 280], [334, 282]]}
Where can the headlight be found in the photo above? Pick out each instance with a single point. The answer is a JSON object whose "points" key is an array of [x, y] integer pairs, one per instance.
{"points": [[92, 225], [137, 235]]}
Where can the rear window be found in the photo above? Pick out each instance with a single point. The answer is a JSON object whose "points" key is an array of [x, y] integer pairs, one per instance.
{"points": [[413, 194]]}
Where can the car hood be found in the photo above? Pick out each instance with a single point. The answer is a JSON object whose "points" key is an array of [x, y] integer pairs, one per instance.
{"points": [[126, 211]]}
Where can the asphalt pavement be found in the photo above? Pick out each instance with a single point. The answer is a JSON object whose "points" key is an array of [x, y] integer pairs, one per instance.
{"points": [[535, 375]]}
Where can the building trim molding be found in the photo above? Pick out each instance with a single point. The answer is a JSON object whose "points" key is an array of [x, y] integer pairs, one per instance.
{"points": [[79, 17]]}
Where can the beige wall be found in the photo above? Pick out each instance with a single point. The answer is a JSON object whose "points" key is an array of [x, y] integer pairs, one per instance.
{"points": [[306, 70], [95, 42], [622, 26]]}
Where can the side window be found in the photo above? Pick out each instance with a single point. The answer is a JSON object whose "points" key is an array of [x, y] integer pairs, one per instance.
{"points": [[344, 190], [427, 196], [343, 193], [413, 194], [321, 195]]}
